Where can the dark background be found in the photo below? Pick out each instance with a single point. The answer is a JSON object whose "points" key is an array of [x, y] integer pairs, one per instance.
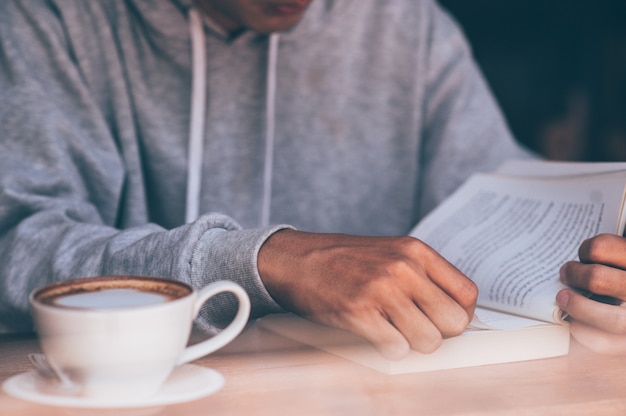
{"points": [[557, 69]]}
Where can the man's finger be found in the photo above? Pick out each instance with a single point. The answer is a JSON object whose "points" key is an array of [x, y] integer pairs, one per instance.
{"points": [[605, 317], [596, 278], [379, 332], [605, 249], [421, 331], [438, 307], [450, 279]]}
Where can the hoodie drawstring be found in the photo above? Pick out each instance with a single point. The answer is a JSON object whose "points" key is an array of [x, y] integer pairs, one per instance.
{"points": [[197, 121], [270, 120], [196, 126]]}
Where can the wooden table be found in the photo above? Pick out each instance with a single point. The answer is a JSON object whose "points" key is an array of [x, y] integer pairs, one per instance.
{"points": [[269, 375]]}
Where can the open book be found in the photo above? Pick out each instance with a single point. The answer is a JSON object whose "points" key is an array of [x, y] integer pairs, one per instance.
{"points": [[510, 232]]}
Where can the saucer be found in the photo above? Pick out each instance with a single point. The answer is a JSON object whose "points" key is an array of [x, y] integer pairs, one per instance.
{"points": [[187, 382]]}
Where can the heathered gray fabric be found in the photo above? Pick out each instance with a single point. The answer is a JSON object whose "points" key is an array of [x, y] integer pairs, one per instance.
{"points": [[381, 113]]}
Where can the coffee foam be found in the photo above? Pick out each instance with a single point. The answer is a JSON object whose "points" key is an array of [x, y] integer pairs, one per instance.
{"points": [[112, 292], [111, 298]]}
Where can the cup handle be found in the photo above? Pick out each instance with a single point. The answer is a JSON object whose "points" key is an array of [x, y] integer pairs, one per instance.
{"points": [[225, 335]]}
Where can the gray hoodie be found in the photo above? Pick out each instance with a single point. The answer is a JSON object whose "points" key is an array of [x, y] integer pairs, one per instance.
{"points": [[358, 120]]}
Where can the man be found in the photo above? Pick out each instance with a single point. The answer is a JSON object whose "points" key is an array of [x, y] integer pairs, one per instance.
{"points": [[180, 139]]}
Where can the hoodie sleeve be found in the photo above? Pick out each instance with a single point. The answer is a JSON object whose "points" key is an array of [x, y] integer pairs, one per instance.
{"points": [[464, 130], [63, 181]]}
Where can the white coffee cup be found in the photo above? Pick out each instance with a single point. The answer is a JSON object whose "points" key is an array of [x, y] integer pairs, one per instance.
{"points": [[121, 336]]}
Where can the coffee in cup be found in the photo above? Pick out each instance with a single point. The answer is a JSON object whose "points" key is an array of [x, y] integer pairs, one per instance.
{"points": [[121, 336]]}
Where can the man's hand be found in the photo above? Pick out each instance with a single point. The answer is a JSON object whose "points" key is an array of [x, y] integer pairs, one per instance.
{"points": [[601, 326], [396, 292]]}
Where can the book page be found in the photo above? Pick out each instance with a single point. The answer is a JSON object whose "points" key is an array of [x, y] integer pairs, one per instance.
{"points": [[512, 235], [488, 319], [539, 168]]}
